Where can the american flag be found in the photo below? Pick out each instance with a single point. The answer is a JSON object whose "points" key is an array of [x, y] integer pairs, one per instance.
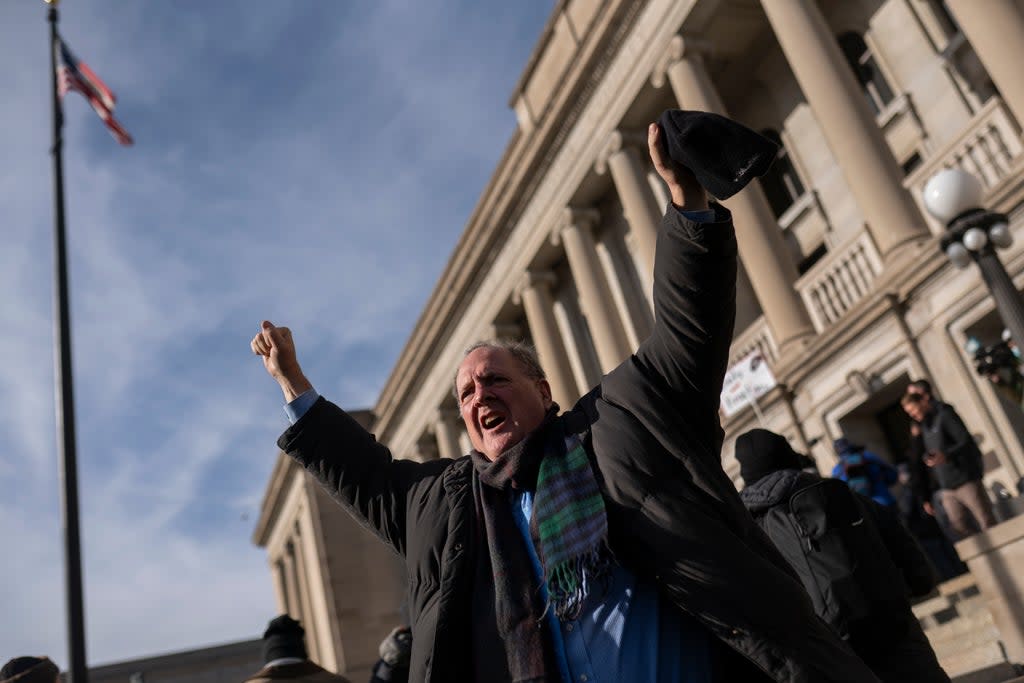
{"points": [[75, 75]]}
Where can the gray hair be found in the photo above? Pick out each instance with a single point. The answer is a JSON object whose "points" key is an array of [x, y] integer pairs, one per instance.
{"points": [[522, 351]]}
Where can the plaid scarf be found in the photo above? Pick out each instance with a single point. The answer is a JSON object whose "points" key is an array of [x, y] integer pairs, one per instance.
{"points": [[570, 533]]}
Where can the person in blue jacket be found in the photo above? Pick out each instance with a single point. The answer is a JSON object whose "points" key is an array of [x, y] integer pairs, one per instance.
{"points": [[864, 472]]}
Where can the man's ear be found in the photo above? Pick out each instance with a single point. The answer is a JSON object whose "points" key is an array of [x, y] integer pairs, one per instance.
{"points": [[545, 392]]}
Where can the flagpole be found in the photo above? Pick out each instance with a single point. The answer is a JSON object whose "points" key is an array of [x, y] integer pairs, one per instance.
{"points": [[65, 394]]}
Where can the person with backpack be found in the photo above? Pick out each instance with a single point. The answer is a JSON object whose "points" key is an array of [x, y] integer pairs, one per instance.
{"points": [[853, 556], [864, 472]]}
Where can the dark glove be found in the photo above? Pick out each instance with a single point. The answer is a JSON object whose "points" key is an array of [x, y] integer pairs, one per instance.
{"points": [[396, 648]]}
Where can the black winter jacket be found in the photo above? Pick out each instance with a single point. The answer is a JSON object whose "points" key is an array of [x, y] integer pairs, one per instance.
{"points": [[943, 430], [652, 430]]}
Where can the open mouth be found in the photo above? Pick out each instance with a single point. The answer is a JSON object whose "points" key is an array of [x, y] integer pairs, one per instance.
{"points": [[492, 421]]}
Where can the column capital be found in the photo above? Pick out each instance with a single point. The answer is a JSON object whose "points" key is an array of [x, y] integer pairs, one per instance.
{"points": [[581, 218], [446, 414], [619, 140], [679, 48], [506, 331], [532, 279]]}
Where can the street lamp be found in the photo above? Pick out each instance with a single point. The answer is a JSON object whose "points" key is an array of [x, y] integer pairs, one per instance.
{"points": [[973, 234]]}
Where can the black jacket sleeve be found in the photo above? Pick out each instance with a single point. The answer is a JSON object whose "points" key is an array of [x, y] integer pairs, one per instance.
{"points": [[356, 470], [959, 444], [694, 312]]}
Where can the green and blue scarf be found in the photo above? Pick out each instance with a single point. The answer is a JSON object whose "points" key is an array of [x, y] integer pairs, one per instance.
{"points": [[570, 534]]}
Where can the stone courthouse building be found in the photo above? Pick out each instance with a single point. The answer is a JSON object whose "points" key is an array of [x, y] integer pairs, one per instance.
{"points": [[843, 288]]}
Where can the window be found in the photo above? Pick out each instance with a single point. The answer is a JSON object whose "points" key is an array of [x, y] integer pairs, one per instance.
{"points": [[860, 59], [944, 17], [781, 183], [808, 261], [911, 164]]}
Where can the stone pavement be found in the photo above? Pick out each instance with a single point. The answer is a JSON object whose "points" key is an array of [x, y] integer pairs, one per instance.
{"points": [[961, 630]]}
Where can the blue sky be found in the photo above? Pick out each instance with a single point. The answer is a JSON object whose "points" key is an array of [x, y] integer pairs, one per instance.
{"points": [[308, 162]]}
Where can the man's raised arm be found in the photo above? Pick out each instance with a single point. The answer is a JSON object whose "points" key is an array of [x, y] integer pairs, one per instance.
{"points": [[276, 347], [357, 471], [694, 291]]}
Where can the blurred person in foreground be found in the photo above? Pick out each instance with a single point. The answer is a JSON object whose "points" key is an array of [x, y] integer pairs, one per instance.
{"points": [[855, 558], [285, 657], [30, 670], [953, 456], [601, 544]]}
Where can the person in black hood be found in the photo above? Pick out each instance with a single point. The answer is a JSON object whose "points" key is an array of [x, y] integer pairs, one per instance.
{"points": [[29, 670], [854, 557]]}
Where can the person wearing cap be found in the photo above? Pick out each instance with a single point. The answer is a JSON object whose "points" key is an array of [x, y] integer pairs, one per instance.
{"points": [[30, 670], [285, 657], [864, 472], [854, 557], [604, 543]]}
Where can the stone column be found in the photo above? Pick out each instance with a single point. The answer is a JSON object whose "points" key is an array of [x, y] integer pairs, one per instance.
{"points": [[534, 292], [847, 122], [446, 430], [291, 582], [576, 234], [621, 156], [280, 583], [465, 443], [504, 330], [995, 29], [761, 245], [303, 577]]}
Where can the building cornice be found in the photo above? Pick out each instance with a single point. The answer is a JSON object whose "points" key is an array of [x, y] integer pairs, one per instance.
{"points": [[522, 167], [274, 497]]}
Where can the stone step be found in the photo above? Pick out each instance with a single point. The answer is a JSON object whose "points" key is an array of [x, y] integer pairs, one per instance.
{"points": [[964, 583], [935, 615], [1002, 672], [965, 642], [978, 619], [987, 655]]}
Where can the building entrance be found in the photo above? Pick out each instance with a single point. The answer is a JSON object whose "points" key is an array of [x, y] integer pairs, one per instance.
{"points": [[879, 423]]}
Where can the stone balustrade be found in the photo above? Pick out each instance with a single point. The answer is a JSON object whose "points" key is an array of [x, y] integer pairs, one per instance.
{"points": [[757, 337], [988, 147], [839, 280]]}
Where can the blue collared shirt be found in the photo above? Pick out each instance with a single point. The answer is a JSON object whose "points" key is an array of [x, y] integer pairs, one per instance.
{"points": [[622, 634]]}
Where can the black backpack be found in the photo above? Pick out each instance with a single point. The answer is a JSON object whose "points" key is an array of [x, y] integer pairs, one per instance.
{"points": [[827, 535]]}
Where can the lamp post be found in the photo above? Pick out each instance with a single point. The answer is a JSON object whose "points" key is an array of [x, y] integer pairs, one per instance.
{"points": [[973, 234]]}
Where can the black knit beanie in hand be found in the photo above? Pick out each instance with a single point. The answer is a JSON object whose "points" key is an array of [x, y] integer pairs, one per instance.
{"points": [[283, 638], [722, 154]]}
